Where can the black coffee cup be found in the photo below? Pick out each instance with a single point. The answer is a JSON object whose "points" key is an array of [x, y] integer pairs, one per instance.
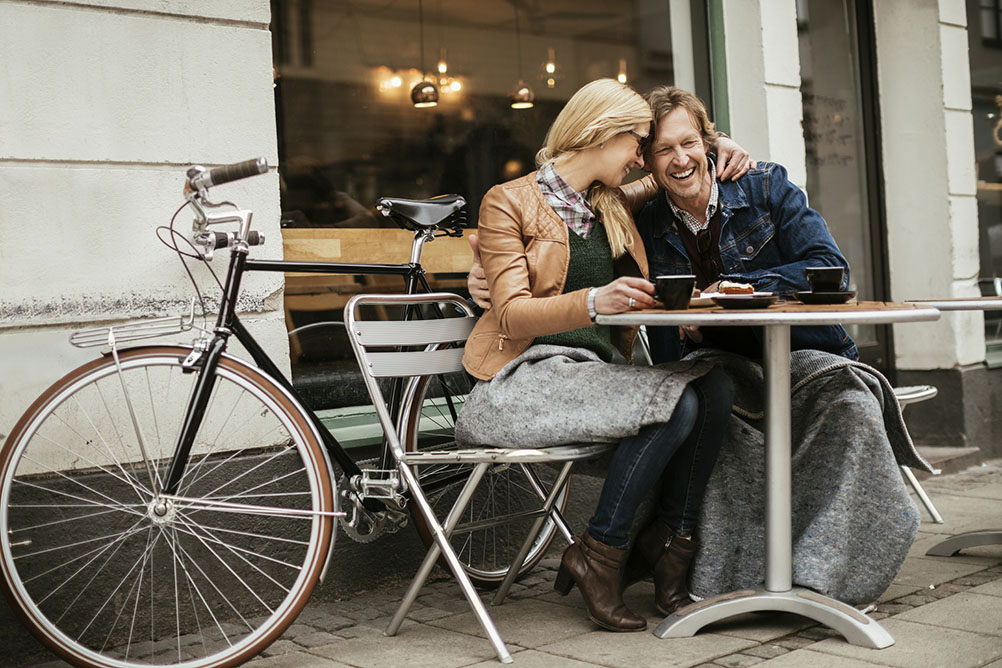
{"points": [[674, 291], [825, 279]]}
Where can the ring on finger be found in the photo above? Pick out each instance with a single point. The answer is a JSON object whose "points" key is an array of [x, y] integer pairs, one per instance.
{"points": [[633, 302]]}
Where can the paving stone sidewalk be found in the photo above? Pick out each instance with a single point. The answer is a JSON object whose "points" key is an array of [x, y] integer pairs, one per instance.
{"points": [[942, 611]]}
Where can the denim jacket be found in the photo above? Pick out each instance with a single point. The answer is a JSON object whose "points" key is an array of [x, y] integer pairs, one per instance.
{"points": [[768, 235]]}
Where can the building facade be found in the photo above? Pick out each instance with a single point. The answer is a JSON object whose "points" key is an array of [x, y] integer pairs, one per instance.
{"points": [[887, 113]]}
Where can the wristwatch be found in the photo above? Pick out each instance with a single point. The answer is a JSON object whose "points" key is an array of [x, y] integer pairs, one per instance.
{"points": [[592, 313]]}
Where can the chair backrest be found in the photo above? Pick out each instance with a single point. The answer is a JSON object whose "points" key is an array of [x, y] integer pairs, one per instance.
{"points": [[386, 348]]}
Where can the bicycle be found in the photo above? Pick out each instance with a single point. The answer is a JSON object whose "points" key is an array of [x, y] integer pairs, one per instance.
{"points": [[175, 505]]}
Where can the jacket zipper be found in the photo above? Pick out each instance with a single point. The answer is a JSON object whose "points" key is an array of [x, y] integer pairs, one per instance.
{"points": [[501, 340]]}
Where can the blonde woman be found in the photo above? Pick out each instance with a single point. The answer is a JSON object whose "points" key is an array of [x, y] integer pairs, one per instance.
{"points": [[559, 247]]}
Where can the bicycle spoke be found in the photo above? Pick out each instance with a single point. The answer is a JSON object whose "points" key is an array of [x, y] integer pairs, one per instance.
{"points": [[229, 569], [237, 553], [257, 536], [103, 547], [113, 504]]}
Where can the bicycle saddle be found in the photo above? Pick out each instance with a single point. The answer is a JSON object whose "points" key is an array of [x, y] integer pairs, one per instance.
{"points": [[413, 214]]}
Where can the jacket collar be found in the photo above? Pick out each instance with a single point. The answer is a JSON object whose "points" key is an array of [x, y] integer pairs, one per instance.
{"points": [[729, 193]]}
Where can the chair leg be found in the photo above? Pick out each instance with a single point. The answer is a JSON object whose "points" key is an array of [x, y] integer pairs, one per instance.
{"points": [[555, 515], [443, 547], [923, 497], [547, 510]]}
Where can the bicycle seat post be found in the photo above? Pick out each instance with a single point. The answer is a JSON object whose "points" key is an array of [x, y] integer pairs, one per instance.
{"points": [[417, 246]]}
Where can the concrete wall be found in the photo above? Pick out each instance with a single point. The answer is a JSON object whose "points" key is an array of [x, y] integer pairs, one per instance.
{"points": [[929, 180], [104, 104]]}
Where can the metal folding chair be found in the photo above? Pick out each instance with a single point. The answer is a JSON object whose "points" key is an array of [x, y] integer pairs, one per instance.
{"points": [[413, 348], [911, 394]]}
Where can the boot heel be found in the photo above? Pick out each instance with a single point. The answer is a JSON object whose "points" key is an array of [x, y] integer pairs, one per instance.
{"points": [[564, 581]]}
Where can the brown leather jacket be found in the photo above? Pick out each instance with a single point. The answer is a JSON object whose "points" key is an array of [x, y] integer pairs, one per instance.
{"points": [[524, 250]]}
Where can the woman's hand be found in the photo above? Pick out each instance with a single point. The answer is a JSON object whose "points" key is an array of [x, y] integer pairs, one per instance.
{"points": [[733, 162], [616, 297], [476, 280]]}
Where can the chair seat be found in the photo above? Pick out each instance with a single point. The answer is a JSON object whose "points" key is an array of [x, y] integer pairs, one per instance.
{"points": [[555, 453], [910, 394]]}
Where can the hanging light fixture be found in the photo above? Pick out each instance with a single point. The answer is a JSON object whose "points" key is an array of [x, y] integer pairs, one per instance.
{"points": [[424, 93], [621, 77], [521, 95]]}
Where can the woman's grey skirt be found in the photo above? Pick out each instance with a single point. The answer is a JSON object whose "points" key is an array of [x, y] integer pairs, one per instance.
{"points": [[552, 395]]}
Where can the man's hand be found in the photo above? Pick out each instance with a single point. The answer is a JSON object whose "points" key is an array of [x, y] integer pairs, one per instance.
{"points": [[690, 331], [476, 281], [626, 293], [733, 162]]}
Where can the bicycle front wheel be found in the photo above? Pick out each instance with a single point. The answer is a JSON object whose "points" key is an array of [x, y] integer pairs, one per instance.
{"points": [[106, 570], [496, 521]]}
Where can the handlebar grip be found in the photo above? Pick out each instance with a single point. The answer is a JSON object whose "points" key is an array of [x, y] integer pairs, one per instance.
{"points": [[219, 240], [255, 238], [226, 173]]}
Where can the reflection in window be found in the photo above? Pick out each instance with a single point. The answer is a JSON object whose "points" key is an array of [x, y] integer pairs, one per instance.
{"points": [[349, 133], [991, 22]]}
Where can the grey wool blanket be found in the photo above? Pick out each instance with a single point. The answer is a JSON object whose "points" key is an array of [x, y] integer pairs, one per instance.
{"points": [[552, 395], [853, 520]]}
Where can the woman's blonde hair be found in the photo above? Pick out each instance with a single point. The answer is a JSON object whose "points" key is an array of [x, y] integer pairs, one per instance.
{"points": [[595, 114]]}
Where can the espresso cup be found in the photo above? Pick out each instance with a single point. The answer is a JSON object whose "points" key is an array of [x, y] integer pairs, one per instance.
{"points": [[674, 291], [825, 279]]}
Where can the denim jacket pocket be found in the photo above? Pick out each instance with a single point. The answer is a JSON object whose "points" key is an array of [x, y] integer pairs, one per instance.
{"points": [[753, 245]]}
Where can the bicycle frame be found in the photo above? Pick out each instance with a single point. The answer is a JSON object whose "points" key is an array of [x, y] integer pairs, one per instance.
{"points": [[228, 324]]}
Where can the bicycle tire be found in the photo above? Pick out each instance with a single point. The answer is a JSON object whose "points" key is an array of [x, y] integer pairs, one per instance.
{"points": [[106, 577], [486, 553]]}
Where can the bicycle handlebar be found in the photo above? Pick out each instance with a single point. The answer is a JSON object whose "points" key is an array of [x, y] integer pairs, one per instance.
{"points": [[200, 178]]}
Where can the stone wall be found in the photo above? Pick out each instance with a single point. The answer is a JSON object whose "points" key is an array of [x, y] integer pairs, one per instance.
{"points": [[105, 104]]}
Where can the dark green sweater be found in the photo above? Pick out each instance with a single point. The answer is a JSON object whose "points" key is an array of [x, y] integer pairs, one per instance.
{"points": [[590, 266]]}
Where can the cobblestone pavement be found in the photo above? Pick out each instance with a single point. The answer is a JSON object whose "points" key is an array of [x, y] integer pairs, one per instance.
{"points": [[942, 611]]}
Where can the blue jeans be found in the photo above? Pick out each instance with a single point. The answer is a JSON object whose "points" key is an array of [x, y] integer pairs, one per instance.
{"points": [[677, 456]]}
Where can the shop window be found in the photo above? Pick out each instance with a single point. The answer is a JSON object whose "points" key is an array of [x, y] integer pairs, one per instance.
{"points": [[986, 101], [348, 132]]}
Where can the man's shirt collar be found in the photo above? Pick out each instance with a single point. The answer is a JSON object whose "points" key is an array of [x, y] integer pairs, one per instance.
{"points": [[711, 207]]}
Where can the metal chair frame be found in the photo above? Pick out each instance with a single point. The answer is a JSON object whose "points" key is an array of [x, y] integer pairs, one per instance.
{"points": [[911, 394], [437, 357]]}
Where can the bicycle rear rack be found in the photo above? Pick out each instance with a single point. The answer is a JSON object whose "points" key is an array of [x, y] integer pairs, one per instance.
{"points": [[134, 331]]}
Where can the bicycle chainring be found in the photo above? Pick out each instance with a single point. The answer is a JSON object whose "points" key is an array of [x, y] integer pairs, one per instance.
{"points": [[359, 523]]}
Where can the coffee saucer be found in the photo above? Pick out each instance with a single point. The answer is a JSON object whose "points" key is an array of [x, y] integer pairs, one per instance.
{"points": [[753, 300], [833, 297]]}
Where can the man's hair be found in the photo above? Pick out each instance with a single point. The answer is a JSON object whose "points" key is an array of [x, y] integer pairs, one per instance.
{"points": [[665, 99]]}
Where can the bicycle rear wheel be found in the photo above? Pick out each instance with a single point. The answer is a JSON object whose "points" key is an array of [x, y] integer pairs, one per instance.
{"points": [[487, 539], [106, 571]]}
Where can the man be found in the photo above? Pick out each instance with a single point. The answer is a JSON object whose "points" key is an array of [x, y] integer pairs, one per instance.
{"points": [[756, 229]]}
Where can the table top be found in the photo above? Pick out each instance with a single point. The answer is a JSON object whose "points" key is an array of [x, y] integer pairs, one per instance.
{"points": [[962, 303], [781, 313]]}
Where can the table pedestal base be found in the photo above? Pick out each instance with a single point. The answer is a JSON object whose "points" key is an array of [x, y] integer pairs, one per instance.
{"points": [[954, 544], [857, 628]]}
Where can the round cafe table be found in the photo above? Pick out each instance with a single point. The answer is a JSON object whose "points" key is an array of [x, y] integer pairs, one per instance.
{"points": [[777, 592], [958, 542]]}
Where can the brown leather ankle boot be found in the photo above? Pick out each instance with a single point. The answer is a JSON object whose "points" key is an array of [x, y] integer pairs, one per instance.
{"points": [[669, 556], [595, 568]]}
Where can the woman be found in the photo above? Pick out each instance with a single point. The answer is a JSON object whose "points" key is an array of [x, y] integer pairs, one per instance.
{"points": [[559, 247]]}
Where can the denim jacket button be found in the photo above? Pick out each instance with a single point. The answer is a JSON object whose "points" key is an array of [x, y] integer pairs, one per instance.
{"points": [[749, 249]]}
